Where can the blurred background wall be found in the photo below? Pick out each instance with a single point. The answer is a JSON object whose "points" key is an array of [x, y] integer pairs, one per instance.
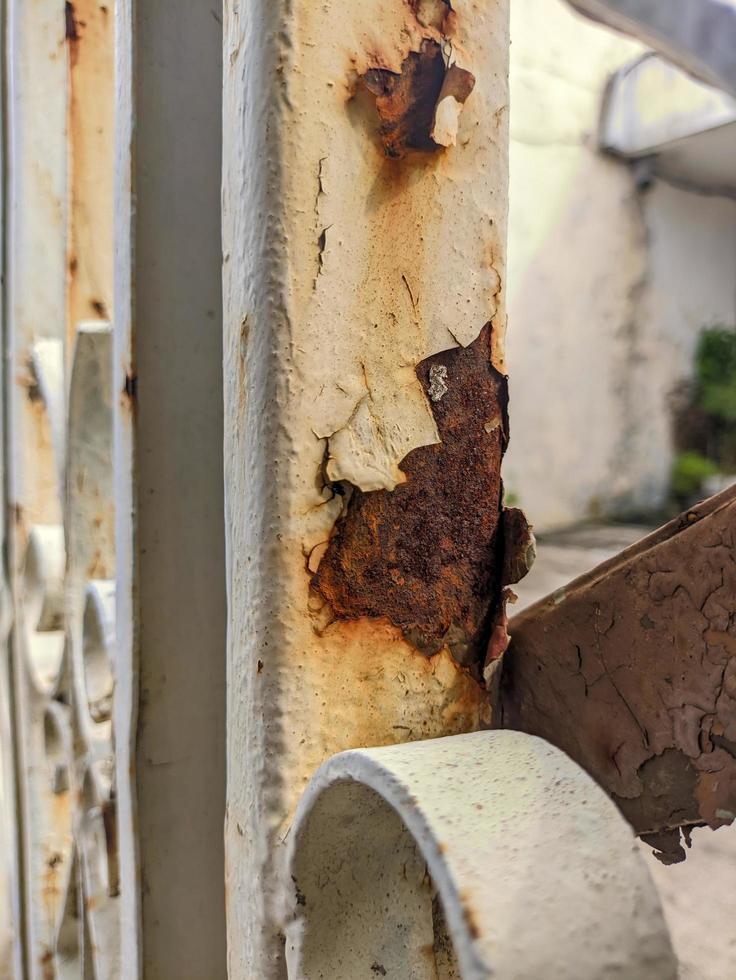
{"points": [[614, 268]]}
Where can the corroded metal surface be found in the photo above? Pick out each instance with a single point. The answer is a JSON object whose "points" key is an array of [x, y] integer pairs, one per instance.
{"points": [[631, 670], [426, 556]]}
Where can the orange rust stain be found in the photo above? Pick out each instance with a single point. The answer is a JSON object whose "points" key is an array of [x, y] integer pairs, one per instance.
{"points": [[463, 705], [469, 915], [428, 555], [47, 965]]}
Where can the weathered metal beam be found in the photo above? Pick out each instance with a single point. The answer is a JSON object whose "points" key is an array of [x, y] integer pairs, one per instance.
{"points": [[631, 670], [364, 223], [697, 35]]}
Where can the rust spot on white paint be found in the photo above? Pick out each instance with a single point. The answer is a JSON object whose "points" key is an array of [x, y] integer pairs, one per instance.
{"points": [[419, 107]]}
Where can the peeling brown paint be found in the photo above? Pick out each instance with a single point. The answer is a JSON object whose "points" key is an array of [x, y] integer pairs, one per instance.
{"points": [[631, 670], [407, 101], [427, 556]]}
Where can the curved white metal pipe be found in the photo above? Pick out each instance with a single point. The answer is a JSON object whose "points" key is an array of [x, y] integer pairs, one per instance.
{"points": [[474, 856]]}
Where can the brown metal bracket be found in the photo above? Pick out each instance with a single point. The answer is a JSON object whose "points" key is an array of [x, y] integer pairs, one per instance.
{"points": [[631, 670]]}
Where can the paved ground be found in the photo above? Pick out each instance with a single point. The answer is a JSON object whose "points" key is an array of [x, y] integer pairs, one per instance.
{"points": [[699, 896]]}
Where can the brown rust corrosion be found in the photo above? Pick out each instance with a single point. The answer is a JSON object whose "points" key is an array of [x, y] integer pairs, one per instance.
{"points": [[631, 670], [428, 555], [407, 101]]}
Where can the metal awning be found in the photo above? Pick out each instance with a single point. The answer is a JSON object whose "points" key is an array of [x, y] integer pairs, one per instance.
{"points": [[688, 129], [697, 35]]}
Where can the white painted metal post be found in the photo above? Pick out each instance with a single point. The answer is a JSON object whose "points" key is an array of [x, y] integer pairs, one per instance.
{"points": [[35, 263], [120, 741], [167, 379], [364, 226], [11, 958]]}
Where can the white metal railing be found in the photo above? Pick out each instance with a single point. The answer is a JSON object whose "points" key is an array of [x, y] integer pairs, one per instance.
{"points": [[342, 272]]}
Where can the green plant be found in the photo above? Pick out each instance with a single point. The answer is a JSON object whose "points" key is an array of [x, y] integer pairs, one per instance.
{"points": [[715, 371], [690, 471], [705, 415]]}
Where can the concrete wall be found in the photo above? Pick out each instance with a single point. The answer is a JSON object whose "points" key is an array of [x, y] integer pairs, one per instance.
{"points": [[608, 285]]}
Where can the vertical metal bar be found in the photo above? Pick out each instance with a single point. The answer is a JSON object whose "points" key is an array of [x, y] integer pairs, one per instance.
{"points": [[170, 698], [12, 955], [35, 283], [89, 29]]}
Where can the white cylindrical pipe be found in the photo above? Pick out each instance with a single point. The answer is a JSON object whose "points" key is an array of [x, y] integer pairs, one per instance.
{"points": [[474, 856]]}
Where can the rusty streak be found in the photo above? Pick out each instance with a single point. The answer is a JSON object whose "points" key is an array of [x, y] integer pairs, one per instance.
{"points": [[428, 555], [631, 671], [71, 27], [130, 388]]}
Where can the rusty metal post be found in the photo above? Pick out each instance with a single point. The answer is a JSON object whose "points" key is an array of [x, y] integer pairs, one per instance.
{"points": [[364, 210]]}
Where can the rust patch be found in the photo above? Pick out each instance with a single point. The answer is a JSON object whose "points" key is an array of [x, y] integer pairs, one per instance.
{"points": [[427, 556], [631, 670], [99, 308], [407, 101]]}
